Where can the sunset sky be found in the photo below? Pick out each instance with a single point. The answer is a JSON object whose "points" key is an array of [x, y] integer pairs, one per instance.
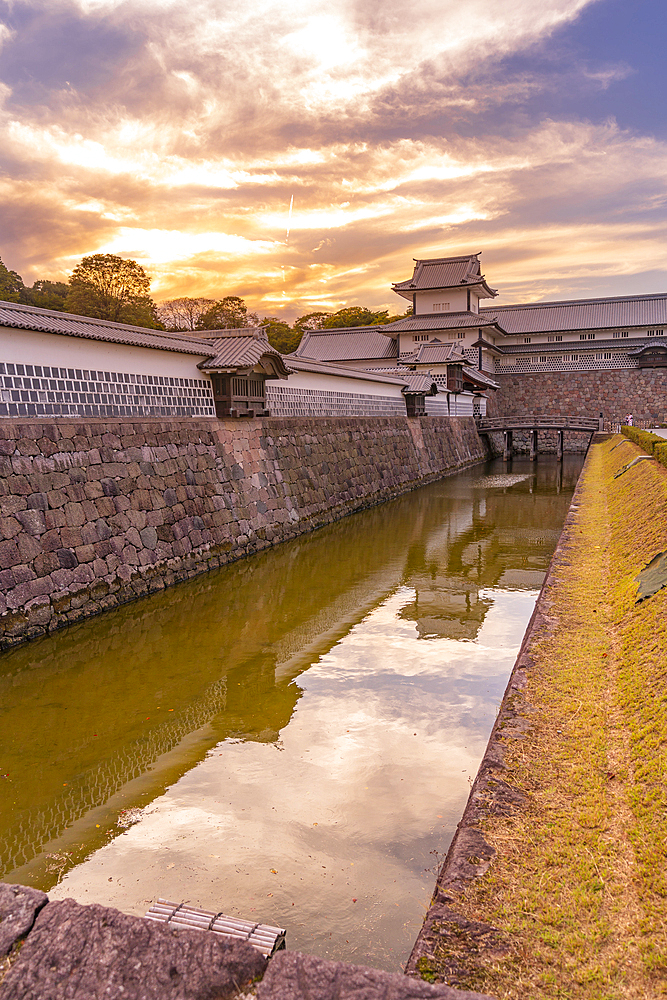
{"points": [[177, 134]]}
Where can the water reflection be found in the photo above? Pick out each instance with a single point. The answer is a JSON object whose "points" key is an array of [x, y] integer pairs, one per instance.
{"points": [[400, 624]]}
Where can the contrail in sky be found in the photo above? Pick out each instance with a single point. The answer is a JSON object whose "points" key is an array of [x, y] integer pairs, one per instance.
{"points": [[289, 219]]}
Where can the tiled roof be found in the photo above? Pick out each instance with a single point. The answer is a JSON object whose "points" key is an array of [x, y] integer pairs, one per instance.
{"points": [[242, 348], [583, 314], [434, 354], [415, 382], [443, 272], [347, 344], [442, 321], [475, 375], [22, 317], [419, 383], [653, 342]]}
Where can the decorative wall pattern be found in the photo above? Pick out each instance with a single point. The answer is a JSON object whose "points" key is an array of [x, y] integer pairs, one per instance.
{"points": [[284, 401], [46, 391], [576, 361]]}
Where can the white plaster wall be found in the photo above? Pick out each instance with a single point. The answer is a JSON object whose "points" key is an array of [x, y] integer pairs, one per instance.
{"points": [[35, 348], [336, 383], [457, 298]]}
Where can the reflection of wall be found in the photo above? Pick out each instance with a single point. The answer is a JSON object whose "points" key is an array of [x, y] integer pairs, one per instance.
{"points": [[86, 710], [89, 705], [497, 537]]}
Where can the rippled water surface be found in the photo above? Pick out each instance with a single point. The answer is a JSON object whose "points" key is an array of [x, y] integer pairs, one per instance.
{"points": [[292, 738]]}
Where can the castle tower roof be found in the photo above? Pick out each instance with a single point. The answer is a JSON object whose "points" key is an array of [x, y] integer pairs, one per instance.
{"points": [[437, 273]]}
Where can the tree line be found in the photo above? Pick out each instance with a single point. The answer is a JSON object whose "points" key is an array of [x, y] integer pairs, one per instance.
{"points": [[105, 286]]}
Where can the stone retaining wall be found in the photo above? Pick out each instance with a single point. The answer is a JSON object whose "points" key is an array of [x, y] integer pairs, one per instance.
{"points": [[94, 513], [640, 391]]}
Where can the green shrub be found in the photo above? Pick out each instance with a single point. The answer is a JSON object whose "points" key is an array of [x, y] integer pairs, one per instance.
{"points": [[652, 443]]}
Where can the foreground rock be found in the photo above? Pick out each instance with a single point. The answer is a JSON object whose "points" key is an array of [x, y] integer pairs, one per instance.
{"points": [[66, 951], [292, 976], [19, 906], [93, 952]]}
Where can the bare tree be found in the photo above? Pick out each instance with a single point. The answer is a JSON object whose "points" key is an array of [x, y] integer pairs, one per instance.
{"points": [[183, 314]]}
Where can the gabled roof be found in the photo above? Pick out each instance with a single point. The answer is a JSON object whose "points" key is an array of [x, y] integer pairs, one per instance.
{"points": [[441, 321], [434, 354], [23, 317], [622, 312], [354, 343], [444, 272], [243, 348]]}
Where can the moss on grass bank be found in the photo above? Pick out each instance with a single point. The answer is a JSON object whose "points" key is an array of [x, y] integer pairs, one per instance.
{"points": [[577, 889]]}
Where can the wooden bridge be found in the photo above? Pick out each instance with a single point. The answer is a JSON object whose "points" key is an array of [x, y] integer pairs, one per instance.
{"points": [[533, 423]]}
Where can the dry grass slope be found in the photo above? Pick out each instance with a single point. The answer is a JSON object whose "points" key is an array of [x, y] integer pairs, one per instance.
{"points": [[578, 887]]}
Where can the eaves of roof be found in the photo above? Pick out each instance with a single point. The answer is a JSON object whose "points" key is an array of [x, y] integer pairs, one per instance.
{"points": [[435, 354], [17, 316], [298, 364], [476, 376], [443, 273], [653, 342], [443, 321], [618, 313]]}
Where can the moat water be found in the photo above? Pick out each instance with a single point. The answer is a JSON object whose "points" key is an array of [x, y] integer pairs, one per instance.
{"points": [[292, 738]]}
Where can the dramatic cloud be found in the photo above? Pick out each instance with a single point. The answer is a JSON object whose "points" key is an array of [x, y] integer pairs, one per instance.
{"points": [[177, 135]]}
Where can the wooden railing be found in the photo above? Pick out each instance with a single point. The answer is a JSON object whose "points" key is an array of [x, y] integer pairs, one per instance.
{"points": [[535, 421]]}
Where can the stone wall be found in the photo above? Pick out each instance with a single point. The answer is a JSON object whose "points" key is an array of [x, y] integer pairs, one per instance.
{"points": [[640, 391], [94, 513]]}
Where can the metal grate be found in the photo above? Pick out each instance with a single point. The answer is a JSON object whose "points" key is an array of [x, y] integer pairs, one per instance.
{"points": [[264, 937]]}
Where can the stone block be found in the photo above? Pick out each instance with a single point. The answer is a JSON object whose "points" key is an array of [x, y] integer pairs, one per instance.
{"points": [[89, 533], [38, 501], [19, 907], [67, 558], [23, 573], [56, 498], [9, 526], [110, 488], [45, 563], [71, 537], [74, 515], [137, 518], [28, 546], [129, 556], [12, 502], [9, 554], [85, 553], [133, 537], [149, 537]]}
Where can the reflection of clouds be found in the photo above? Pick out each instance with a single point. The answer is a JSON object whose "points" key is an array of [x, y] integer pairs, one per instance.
{"points": [[140, 120], [371, 774]]}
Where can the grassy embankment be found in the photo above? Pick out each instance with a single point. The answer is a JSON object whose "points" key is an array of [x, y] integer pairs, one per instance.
{"points": [[578, 886]]}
